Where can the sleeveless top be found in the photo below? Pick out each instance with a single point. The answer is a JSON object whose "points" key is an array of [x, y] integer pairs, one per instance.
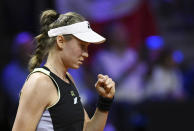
{"points": [[67, 114]]}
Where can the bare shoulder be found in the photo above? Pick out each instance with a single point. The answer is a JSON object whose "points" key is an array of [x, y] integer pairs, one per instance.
{"points": [[38, 87], [37, 81], [35, 97]]}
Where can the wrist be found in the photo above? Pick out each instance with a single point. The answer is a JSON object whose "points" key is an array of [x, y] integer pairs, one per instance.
{"points": [[104, 104]]}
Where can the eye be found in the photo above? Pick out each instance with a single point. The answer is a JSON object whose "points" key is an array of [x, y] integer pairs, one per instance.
{"points": [[84, 47]]}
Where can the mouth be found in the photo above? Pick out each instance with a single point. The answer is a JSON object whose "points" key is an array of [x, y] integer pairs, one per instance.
{"points": [[80, 62]]}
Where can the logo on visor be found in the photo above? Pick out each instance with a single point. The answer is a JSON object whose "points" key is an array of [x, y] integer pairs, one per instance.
{"points": [[89, 26]]}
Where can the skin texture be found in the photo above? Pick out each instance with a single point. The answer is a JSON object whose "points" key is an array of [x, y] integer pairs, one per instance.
{"points": [[39, 92]]}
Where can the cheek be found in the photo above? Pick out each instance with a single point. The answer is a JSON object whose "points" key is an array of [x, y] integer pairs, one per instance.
{"points": [[75, 51]]}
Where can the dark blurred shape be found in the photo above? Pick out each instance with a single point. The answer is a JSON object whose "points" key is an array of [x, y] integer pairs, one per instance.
{"points": [[168, 115], [14, 74], [188, 73], [178, 56], [166, 80], [22, 15], [4, 107]]}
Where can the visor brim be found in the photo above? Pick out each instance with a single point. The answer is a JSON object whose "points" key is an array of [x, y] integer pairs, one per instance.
{"points": [[90, 37]]}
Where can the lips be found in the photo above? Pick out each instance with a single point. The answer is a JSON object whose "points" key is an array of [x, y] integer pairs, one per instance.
{"points": [[80, 62]]}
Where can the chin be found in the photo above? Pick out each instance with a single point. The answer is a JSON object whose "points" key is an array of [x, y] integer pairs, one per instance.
{"points": [[75, 66]]}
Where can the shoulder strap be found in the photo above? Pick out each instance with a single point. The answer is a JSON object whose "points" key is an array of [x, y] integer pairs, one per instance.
{"points": [[46, 72], [70, 79]]}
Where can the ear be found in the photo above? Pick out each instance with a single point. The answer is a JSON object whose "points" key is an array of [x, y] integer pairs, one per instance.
{"points": [[60, 41]]}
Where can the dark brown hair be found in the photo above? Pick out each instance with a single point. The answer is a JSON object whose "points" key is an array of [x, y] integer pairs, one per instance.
{"points": [[50, 19]]}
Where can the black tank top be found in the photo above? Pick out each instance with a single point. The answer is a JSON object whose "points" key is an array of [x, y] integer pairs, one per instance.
{"points": [[67, 114]]}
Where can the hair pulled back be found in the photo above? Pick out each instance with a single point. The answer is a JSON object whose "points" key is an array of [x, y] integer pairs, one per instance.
{"points": [[50, 19]]}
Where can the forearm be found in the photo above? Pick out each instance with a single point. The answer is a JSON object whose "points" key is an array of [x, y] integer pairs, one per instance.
{"points": [[106, 90], [97, 122]]}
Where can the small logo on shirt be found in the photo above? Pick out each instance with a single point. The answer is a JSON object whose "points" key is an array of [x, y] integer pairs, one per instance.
{"points": [[72, 93], [75, 100]]}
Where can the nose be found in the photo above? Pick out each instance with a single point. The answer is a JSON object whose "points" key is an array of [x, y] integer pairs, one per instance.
{"points": [[85, 50]]}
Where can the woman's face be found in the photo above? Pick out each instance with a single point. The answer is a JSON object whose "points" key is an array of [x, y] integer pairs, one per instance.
{"points": [[74, 53]]}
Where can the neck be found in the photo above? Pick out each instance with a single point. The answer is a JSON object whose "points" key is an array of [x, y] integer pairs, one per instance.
{"points": [[55, 64]]}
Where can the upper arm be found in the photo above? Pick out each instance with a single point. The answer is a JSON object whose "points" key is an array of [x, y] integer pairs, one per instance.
{"points": [[33, 101]]}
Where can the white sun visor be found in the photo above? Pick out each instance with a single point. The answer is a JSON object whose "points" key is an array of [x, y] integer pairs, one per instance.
{"points": [[81, 30]]}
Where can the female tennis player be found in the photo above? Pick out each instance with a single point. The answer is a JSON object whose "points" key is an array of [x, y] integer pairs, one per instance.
{"points": [[49, 100]]}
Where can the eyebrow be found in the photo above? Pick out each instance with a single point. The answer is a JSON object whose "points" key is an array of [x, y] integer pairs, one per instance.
{"points": [[84, 43]]}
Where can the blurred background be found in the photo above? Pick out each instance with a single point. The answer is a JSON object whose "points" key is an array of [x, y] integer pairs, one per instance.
{"points": [[148, 52]]}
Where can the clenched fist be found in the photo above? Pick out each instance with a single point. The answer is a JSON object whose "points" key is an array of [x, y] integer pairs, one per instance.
{"points": [[105, 86]]}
